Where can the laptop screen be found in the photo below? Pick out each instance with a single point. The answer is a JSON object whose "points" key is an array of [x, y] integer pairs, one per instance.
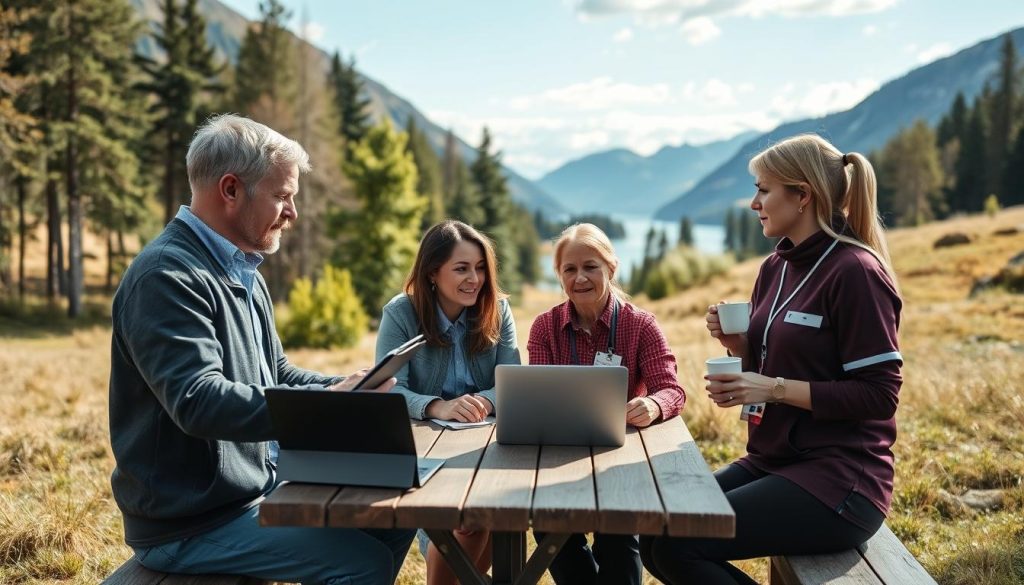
{"points": [[362, 422]]}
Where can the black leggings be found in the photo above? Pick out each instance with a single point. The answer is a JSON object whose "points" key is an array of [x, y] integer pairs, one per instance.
{"points": [[774, 516]]}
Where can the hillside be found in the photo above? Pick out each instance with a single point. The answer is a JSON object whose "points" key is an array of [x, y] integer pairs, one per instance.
{"points": [[225, 31], [622, 181], [926, 92]]}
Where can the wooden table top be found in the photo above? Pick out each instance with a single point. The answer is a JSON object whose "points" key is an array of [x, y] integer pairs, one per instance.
{"points": [[657, 483]]}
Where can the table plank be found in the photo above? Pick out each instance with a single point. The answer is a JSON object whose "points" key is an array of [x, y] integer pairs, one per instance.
{"points": [[693, 501], [438, 504], [627, 498], [362, 507], [297, 504], [564, 499], [502, 490]]}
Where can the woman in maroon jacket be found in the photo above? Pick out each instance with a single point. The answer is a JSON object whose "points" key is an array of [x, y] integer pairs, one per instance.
{"points": [[822, 352]]}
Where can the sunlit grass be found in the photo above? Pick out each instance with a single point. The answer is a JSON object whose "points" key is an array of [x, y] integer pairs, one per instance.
{"points": [[961, 416]]}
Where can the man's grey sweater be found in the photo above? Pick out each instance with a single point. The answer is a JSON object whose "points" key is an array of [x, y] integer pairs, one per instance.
{"points": [[188, 417]]}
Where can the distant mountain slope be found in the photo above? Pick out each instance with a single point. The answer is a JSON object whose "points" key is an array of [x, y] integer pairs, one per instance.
{"points": [[225, 31], [621, 181], [926, 92]]}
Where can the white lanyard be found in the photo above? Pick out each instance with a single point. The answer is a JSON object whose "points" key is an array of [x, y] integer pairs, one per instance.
{"points": [[772, 313]]}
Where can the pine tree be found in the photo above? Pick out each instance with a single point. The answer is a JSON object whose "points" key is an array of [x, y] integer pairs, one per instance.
{"points": [[527, 244], [685, 231], [496, 205], [972, 168], [428, 167], [352, 104], [730, 230], [177, 85], [1013, 179], [19, 133], [377, 241], [265, 83], [464, 204], [85, 48], [662, 245], [911, 171], [1002, 122]]}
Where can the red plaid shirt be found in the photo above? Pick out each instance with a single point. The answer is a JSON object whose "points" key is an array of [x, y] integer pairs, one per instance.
{"points": [[639, 340]]}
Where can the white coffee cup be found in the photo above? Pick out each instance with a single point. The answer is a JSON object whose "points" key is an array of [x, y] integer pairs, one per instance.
{"points": [[724, 365], [734, 317]]}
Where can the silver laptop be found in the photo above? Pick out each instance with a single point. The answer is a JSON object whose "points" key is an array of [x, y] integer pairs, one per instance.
{"points": [[346, 438], [561, 405]]}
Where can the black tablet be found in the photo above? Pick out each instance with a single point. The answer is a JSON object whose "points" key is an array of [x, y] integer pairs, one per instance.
{"points": [[391, 363]]}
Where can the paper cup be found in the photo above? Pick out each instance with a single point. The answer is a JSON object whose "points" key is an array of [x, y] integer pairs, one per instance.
{"points": [[734, 317], [724, 365]]}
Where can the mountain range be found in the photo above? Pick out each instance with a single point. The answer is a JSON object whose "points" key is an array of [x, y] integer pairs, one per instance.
{"points": [[926, 92], [225, 30], [622, 181]]}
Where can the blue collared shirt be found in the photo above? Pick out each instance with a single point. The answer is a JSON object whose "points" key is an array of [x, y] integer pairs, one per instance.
{"points": [[458, 380], [241, 268]]}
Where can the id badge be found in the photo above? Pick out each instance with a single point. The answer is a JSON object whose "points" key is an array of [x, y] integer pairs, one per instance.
{"points": [[752, 412], [604, 358]]}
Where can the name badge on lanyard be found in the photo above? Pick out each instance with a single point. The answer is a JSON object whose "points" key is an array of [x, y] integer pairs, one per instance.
{"points": [[601, 358]]}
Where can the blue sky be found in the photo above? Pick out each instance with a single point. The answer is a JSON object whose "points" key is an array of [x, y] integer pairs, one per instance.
{"points": [[558, 79]]}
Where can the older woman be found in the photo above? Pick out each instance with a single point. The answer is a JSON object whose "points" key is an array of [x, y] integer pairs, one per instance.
{"points": [[597, 326]]}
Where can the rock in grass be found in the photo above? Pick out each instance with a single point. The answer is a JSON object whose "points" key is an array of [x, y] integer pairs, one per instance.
{"points": [[983, 499], [952, 239]]}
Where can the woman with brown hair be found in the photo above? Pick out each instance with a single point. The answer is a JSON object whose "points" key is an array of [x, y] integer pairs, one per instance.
{"points": [[452, 297]]}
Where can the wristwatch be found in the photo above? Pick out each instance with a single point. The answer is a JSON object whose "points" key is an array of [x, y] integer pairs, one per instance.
{"points": [[779, 390]]}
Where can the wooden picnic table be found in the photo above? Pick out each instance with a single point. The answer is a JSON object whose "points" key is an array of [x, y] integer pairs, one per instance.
{"points": [[657, 483]]}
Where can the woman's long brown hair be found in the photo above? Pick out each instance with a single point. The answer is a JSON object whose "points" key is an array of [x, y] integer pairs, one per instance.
{"points": [[435, 249]]}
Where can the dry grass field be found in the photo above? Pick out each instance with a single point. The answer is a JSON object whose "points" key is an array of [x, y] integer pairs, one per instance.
{"points": [[961, 416]]}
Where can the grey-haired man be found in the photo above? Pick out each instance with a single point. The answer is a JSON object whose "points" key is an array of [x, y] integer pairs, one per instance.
{"points": [[194, 347]]}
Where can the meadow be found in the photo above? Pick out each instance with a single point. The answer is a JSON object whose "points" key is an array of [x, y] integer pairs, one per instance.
{"points": [[961, 414]]}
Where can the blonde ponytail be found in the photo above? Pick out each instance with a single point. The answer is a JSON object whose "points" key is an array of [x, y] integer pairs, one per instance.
{"points": [[810, 159]]}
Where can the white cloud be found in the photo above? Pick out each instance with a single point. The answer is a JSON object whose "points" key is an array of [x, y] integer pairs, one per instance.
{"points": [[700, 30], [934, 52], [312, 32], [597, 94], [623, 36], [535, 145], [699, 16], [590, 140], [793, 102], [719, 93], [869, 30]]}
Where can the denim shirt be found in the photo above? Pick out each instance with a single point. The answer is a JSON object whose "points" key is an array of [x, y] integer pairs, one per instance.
{"points": [[457, 380], [241, 267], [426, 377]]}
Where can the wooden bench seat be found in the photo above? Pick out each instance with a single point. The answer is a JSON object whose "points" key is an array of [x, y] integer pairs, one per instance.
{"points": [[882, 560], [132, 573]]}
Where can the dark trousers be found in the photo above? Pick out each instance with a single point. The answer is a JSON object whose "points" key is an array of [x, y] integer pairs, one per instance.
{"points": [[613, 560], [774, 516]]}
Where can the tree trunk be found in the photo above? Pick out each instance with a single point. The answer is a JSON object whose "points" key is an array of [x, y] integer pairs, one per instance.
{"points": [[55, 285], [170, 197], [22, 228], [74, 197], [110, 261]]}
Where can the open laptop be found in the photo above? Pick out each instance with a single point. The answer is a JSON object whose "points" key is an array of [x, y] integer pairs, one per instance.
{"points": [[561, 405], [346, 438]]}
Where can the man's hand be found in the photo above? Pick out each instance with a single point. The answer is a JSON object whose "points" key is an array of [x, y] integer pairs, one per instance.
{"points": [[465, 408], [642, 411], [352, 379]]}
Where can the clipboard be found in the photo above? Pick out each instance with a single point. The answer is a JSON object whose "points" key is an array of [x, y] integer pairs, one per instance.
{"points": [[392, 361]]}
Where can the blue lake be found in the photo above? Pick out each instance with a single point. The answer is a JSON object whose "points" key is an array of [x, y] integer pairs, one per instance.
{"points": [[706, 237]]}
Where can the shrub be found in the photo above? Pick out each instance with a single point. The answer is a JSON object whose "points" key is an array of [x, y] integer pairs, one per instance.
{"points": [[683, 268], [327, 314], [992, 206]]}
